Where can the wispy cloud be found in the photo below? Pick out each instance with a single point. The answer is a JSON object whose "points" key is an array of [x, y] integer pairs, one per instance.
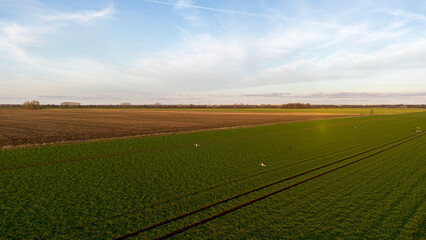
{"points": [[294, 55], [253, 95], [83, 16], [372, 95], [56, 97], [189, 13], [183, 3], [404, 14], [267, 95], [188, 4], [376, 95], [15, 37]]}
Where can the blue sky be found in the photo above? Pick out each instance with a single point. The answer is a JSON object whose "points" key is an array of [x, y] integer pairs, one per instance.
{"points": [[218, 52]]}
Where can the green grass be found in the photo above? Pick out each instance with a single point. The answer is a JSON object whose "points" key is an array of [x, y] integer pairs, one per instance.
{"points": [[105, 189]]}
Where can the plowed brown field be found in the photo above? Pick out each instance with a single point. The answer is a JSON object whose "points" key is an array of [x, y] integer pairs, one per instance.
{"points": [[26, 127]]}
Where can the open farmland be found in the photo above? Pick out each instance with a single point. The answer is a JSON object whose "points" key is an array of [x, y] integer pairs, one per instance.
{"points": [[344, 178], [57, 125], [353, 111]]}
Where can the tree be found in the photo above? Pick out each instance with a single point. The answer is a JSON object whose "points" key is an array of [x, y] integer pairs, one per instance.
{"points": [[33, 105]]}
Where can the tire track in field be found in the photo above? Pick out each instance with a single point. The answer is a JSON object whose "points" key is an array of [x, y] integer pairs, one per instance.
{"points": [[205, 220], [171, 146], [114, 216], [266, 186]]}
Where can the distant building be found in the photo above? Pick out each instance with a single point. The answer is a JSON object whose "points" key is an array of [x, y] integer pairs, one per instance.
{"points": [[126, 104], [70, 104]]}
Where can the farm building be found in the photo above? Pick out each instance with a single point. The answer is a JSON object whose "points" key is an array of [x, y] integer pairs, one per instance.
{"points": [[125, 104], [70, 104]]}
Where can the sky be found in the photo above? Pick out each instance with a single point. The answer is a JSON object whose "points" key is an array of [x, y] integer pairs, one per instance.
{"points": [[213, 52]]}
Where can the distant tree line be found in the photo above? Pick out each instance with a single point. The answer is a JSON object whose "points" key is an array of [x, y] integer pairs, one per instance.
{"points": [[296, 106], [34, 104]]}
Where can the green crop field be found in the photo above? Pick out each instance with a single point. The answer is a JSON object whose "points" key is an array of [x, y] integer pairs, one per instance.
{"points": [[103, 190]]}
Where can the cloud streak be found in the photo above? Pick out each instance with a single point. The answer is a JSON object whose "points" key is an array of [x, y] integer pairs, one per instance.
{"points": [[14, 38], [189, 13], [404, 14], [347, 95], [373, 95], [83, 16], [187, 4]]}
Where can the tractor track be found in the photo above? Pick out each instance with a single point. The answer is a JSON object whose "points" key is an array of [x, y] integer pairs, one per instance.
{"points": [[214, 187], [171, 234], [410, 138]]}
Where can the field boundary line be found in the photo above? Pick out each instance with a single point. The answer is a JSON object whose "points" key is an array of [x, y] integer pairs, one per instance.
{"points": [[260, 188], [205, 220], [114, 154], [13, 147]]}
